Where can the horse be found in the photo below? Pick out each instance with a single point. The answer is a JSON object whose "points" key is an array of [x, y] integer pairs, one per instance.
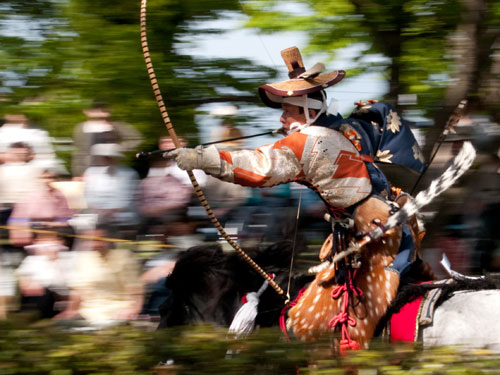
{"points": [[207, 285], [466, 318], [350, 295], [463, 312], [355, 285], [360, 300]]}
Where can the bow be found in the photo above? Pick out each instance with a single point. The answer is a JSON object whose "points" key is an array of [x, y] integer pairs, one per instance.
{"points": [[173, 135]]}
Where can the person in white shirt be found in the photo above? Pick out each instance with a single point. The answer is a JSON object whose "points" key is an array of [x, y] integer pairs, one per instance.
{"points": [[17, 129], [44, 275], [110, 187]]}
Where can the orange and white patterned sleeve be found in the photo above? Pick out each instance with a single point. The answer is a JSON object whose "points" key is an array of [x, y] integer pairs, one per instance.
{"points": [[268, 165]]}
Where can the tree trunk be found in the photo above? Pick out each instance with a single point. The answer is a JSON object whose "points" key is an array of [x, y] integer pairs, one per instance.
{"points": [[464, 45]]}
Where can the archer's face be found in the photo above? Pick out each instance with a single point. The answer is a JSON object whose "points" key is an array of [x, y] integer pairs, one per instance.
{"points": [[291, 114]]}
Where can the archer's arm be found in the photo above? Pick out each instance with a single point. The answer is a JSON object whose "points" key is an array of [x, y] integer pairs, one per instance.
{"points": [[268, 165]]}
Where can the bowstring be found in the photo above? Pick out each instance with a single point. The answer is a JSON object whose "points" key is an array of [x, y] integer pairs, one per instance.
{"points": [[292, 259], [269, 56]]}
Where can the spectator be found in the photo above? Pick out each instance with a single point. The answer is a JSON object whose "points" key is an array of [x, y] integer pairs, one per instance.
{"points": [[106, 287], [18, 177], [111, 188], [17, 129], [487, 213], [7, 287], [99, 129], [162, 198], [44, 275], [45, 206], [226, 115]]}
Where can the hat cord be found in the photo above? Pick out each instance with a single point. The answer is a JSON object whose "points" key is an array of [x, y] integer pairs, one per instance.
{"points": [[297, 126], [320, 112]]}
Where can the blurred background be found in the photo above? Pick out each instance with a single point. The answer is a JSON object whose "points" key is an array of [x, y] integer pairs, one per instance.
{"points": [[75, 102]]}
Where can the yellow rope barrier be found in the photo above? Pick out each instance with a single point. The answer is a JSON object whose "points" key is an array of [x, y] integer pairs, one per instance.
{"points": [[81, 236]]}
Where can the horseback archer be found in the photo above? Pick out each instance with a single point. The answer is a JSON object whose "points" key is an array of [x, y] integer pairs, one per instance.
{"points": [[332, 155]]}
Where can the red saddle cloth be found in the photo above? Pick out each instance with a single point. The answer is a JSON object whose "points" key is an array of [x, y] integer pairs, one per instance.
{"points": [[404, 323]]}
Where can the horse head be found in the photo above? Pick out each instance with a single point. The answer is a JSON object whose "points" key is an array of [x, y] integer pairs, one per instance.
{"points": [[199, 284], [207, 285]]}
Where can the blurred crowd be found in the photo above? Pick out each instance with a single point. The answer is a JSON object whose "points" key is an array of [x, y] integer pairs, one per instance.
{"points": [[91, 246]]}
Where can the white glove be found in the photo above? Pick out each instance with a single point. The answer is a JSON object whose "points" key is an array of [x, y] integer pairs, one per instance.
{"points": [[186, 158], [207, 159]]}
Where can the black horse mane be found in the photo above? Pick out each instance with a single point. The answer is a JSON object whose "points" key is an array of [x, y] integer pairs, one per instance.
{"points": [[409, 292], [203, 261], [207, 284]]}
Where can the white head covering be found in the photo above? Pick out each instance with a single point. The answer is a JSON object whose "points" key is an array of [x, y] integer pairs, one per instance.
{"points": [[308, 103]]}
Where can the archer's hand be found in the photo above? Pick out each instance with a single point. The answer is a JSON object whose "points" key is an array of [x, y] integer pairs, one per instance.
{"points": [[207, 159], [186, 158]]}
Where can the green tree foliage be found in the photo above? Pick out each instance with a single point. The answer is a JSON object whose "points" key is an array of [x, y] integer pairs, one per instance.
{"points": [[411, 35], [58, 57], [443, 51]]}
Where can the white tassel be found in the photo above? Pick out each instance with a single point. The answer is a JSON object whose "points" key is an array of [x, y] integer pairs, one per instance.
{"points": [[244, 320]]}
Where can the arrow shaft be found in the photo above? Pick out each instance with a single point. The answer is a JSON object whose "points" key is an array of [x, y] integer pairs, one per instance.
{"points": [[159, 151]]}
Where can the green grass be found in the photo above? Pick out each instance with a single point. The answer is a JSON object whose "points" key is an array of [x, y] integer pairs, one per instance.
{"points": [[46, 348]]}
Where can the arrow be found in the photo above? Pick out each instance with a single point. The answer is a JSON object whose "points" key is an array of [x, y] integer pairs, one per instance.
{"points": [[145, 154]]}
